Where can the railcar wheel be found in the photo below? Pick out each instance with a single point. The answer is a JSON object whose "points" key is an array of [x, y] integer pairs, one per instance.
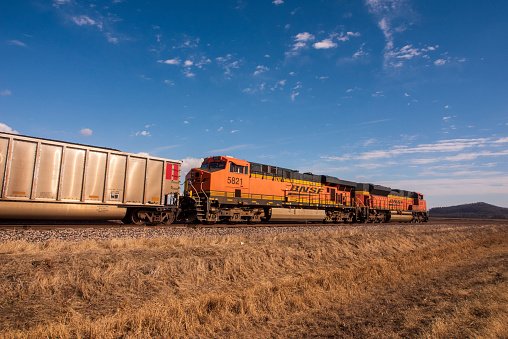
{"points": [[135, 218]]}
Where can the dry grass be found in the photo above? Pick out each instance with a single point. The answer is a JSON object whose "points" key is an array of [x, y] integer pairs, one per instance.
{"points": [[416, 282]]}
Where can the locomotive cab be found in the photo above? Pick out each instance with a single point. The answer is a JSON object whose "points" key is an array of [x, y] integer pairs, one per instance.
{"points": [[218, 175]]}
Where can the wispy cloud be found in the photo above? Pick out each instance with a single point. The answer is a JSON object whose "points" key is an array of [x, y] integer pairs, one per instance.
{"points": [[441, 146], [16, 43], [393, 17], [89, 16], [228, 63], [375, 121], [5, 93], [261, 69], [472, 184], [84, 20], [229, 149]]}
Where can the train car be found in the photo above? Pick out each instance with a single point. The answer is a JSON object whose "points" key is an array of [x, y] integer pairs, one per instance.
{"points": [[54, 180], [226, 189]]}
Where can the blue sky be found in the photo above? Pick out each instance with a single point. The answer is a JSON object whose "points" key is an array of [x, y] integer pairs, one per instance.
{"points": [[409, 94]]}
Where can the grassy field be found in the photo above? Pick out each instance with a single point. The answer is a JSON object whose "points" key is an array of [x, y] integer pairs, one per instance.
{"points": [[418, 281]]}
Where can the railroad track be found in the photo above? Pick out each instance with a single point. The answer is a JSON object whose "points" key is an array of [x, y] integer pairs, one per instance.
{"points": [[60, 225], [118, 225]]}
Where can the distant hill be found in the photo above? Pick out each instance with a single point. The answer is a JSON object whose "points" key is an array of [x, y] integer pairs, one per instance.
{"points": [[478, 210]]}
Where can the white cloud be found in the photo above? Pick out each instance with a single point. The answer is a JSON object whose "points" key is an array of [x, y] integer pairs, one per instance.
{"points": [[169, 82], [440, 62], [188, 63], [304, 37], [143, 133], [501, 140], [325, 44], [261, 69], [278, 2], [16, 43], [188, 164], [346, 36], [6, 129], [86, 132], [294, 95], [5, 93], [474, 155], [301, 40], [84, 20], [174, 61]]}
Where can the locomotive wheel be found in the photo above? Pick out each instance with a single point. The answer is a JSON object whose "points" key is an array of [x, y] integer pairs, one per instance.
{"points": [[170, 219]]}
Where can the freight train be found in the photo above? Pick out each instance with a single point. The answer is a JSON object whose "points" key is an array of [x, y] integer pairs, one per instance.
{"points": [[53, 180]]}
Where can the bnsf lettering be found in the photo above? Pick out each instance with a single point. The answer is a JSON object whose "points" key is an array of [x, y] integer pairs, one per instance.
{"points": [[303, 189]]}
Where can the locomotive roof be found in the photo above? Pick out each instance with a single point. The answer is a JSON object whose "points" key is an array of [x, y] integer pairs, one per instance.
{"points": [[295, 174]]}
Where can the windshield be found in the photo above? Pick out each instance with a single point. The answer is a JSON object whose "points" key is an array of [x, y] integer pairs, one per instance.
{"points": [[214, 166]]}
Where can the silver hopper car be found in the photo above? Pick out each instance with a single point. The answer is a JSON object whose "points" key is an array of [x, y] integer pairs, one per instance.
{"points": [[54, 180]]}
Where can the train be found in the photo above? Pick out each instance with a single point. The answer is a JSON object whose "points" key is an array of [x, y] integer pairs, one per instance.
{"points": [[53, 180]]}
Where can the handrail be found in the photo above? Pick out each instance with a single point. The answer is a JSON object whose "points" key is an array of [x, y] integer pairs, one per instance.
{"points": [[204, 193]]}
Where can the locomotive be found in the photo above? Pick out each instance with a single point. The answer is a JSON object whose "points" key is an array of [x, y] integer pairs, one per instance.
{"points": [[53, 180], [226, 189]]}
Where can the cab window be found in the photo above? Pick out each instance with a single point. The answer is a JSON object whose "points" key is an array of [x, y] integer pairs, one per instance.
{"points": [[216, 166], [234, 168]]}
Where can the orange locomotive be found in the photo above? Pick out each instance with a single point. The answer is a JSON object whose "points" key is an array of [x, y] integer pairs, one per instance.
{"points": [[226, 189]]}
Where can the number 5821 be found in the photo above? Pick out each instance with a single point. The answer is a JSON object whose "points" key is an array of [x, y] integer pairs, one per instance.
{"points": [[234, 181]]}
